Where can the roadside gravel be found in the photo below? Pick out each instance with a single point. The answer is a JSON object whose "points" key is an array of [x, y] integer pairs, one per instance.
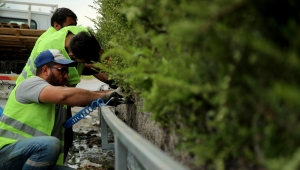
{"points": [[86, 152]]}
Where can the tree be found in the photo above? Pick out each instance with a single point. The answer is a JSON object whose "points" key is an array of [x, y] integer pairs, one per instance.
{"points": [[222, 74]]}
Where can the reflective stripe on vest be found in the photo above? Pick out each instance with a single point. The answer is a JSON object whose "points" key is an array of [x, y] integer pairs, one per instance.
{"points": [[19, 125], [11, 135], [32, 69], [24, 74], [31, 66]]}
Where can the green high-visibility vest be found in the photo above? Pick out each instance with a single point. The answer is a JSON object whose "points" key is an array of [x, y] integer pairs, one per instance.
{"points": [[49, 31], [21, 121], [34, 52], [55, 40]]}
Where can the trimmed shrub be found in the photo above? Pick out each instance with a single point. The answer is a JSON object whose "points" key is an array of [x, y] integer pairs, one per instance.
{"points": [[221, 74]]}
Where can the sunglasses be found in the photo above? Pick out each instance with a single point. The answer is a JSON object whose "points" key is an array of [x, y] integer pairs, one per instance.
{"points": [[63, 71]]}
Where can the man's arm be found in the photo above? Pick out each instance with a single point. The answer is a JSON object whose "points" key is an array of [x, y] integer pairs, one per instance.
{"points": [[90, 69], [70, 96], [102, 77]]}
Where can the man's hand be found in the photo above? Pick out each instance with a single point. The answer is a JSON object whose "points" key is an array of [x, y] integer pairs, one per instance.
{"points": [[116, 99], [116, 95]]}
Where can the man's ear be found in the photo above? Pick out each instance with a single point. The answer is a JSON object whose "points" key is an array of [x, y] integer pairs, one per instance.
{"points": [[101, 52], [68, 50], [71, 54], [56, 26], [45, 70]]}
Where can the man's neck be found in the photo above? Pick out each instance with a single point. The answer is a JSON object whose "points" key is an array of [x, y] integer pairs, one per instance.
{"points": [[68, 39]]}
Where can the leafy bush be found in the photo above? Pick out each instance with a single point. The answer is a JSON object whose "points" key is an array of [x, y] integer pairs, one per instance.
{"points": [[223, 74]]}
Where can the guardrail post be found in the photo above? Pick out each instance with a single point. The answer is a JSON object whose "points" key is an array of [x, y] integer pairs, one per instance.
{"points": [[104, 133], [120, 155]]}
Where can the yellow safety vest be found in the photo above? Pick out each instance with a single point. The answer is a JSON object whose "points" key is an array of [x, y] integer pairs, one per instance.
{"points": [[55, 40], [21, 121]]}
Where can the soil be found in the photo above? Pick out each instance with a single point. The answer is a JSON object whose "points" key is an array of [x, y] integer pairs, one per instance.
{"points": [[86, 152]]}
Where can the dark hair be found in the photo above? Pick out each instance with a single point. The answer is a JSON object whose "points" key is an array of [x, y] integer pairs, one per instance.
{"points": [[85, 46], [39, 69], [60, 16]]}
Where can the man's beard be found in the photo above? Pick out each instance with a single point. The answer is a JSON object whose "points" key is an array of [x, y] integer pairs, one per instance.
{"points": [[54, 81]]}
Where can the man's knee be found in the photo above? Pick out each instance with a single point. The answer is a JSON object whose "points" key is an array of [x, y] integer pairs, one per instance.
{"points": [[54, 144], [42, 152], [50, 144]]}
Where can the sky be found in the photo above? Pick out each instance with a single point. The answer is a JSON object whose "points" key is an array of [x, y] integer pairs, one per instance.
{"points": [[79, 7]]}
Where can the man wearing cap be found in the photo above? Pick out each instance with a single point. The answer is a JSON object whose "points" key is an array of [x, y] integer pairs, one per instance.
{"points": [[31, 127]]}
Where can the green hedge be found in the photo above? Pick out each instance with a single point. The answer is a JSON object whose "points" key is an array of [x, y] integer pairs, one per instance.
{"points": [[223, 74]]}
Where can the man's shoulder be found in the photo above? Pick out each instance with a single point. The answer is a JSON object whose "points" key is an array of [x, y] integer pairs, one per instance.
{"points": [[33, 79], [32, 83], [28, 90], [51, 41], [49, 31], [73, 29]]}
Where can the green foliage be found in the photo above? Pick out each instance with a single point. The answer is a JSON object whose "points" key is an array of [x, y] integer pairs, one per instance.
{"points": [[2, 4], [223, 74]]}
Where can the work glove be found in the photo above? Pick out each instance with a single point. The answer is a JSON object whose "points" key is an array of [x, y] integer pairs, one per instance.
{"points": [[116, 95], [111, 84]]}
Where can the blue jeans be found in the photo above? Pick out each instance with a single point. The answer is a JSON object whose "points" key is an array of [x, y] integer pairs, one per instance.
{"points": [[37, 153]]}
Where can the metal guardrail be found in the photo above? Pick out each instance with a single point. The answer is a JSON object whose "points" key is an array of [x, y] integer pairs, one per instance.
{"points": [[128, 141]]}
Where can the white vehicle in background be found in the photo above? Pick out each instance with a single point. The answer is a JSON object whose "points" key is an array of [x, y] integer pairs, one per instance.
{"points": [[37, 20], [19, 30]]}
